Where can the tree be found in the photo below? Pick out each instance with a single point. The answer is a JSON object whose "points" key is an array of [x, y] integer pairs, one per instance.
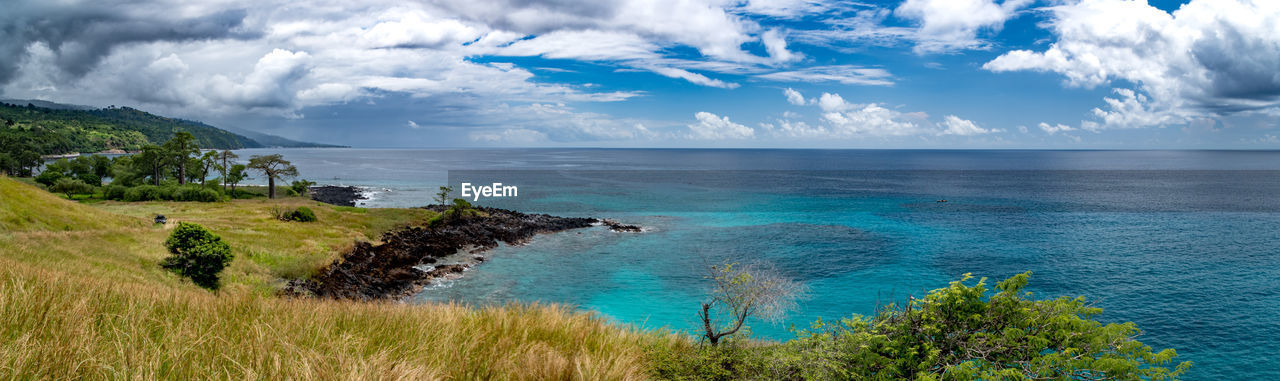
{"points": [[8, 165], [960, 332], [442, 197], [197, 253], [151, 160], [274, 167], [301, 186], [208, 162], [742, 291], [181, 147], [28, 160], [70, 186], [101, 166], [236, 175], [225, 156]]}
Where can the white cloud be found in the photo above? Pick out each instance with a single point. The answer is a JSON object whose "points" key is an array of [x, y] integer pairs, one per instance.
{"points": [[797, 129], [1023, 129], [954, 125], [846, 74], [776, 45], [269, 85], [794, 97], [692, 77], [413, 125], [1131, 110], [848, 119], [947, 25], [713, 127], [413, 28], [1208, 58], [785, 8], [1054, 129]]}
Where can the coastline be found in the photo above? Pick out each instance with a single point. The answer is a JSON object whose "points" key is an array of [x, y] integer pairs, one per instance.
{"points": [[409, 259]]}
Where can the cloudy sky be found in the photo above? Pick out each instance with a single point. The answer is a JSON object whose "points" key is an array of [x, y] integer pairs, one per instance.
{"points": [[670, 73]]}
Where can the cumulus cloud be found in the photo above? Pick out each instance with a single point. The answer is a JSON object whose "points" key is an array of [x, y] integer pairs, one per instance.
{"points": [[947, 25], [849, 119], [269, 85], [843, 119], [954, 125], [1207, 58], [794, 97], [1053, 129], [417, 29], [714, 127]]}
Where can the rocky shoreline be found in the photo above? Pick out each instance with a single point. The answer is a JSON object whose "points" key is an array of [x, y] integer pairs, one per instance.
{"points": [[336, 195], [409, 259]]}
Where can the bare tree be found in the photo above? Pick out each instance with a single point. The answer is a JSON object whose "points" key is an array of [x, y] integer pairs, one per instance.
{"points": [[742, 291]]}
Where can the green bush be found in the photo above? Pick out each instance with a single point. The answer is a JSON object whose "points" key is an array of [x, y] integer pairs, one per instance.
{"points": [[48, 178], [145, 193], [183, 193], [962, 332], [303, 214], [114, 192], [197, 253], [89, 178]]}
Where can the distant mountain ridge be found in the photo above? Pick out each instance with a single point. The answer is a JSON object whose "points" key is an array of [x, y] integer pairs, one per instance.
{"points": [[53, 128]]}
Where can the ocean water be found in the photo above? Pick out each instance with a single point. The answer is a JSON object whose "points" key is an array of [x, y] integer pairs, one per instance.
{"points": [[1184, 243]]}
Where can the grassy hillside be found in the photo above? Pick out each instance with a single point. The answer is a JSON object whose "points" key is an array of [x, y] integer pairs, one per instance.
{"points": [[82, 295]]}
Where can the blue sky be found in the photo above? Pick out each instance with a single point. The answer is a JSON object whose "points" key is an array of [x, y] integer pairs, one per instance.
{"points": [[672, 73]]}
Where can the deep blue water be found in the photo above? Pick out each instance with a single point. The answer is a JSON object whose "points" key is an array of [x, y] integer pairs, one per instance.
{"points": [[1184, 243]]}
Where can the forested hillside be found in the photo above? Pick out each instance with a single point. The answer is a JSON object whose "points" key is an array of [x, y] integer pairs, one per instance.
{"points": [[57, 131]]}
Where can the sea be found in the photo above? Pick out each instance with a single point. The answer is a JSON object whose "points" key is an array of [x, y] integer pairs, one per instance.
{"points": [[1186, 244]]}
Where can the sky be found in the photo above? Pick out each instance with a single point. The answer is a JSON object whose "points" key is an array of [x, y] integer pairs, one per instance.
{"points": [[1012, 74]]}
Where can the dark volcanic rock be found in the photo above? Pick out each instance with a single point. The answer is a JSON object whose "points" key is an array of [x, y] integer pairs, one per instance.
{"points": [[620, 227], [336, 195], [390, 270]]}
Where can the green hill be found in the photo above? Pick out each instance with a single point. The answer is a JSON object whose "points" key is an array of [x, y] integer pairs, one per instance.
{"points": [[58, 131]]}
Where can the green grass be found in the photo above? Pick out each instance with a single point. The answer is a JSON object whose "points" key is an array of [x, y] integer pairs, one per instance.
{"points": [[82, 295]]}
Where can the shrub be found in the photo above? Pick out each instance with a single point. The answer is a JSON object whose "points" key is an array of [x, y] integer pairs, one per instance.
{"points": [[209, 195], [144, 193], [114, 192], [89, 178], [303, 214], [197, 253], [183, 193], [48, 177]]}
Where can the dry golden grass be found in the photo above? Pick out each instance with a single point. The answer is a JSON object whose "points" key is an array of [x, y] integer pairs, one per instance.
{"points": [[82, 296]]}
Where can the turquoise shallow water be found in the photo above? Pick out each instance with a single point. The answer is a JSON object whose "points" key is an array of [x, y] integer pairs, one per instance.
{"points": [[1184, 243]]}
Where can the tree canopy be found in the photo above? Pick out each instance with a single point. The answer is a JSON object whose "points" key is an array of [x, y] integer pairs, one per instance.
{"points": [[274, 167]]}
